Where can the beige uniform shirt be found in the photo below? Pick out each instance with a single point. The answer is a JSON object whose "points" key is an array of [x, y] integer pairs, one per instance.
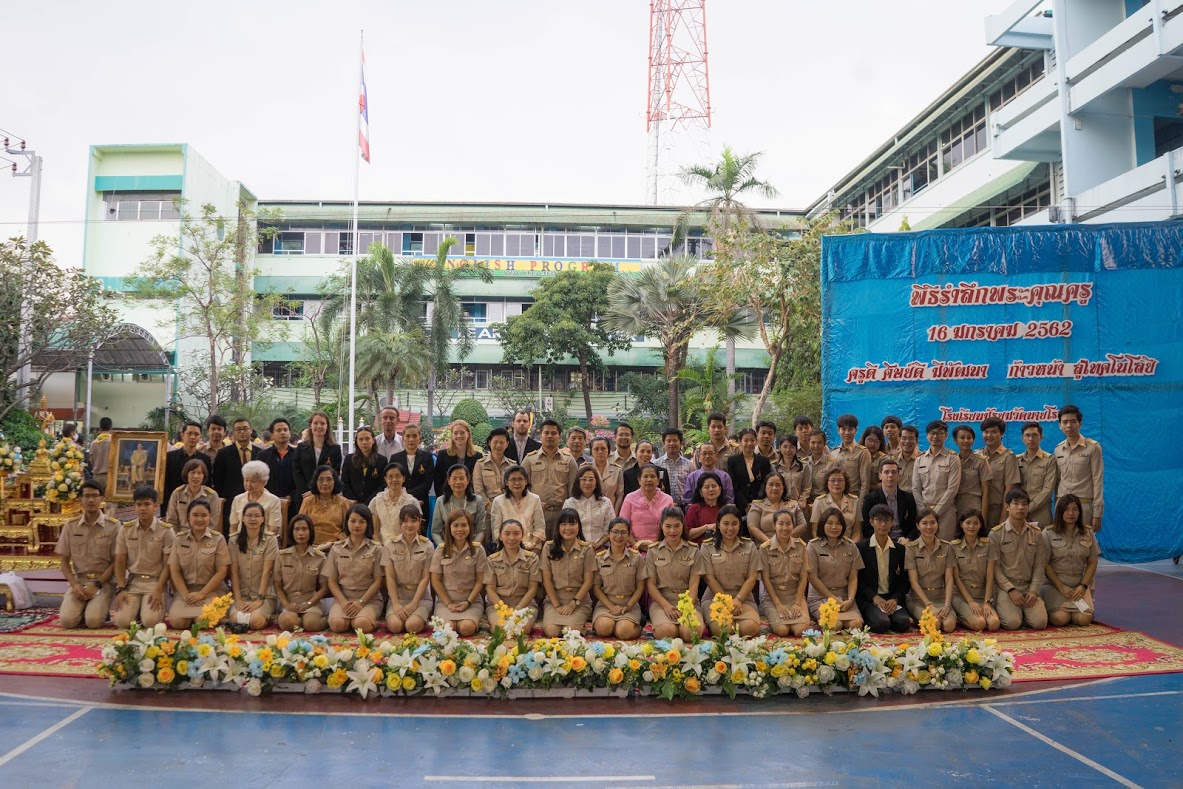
{"points": [[930, 565], [783, 567], [612, 483], [299, 574], [178, 506], [100, 452], [730, 568], [386, 514], [354, 569], [566, 574], [856, 462], [818, 470], [488, 477], [250, 565], [723, 452], [1020, 557], [849, 509], [971, 565], [90, 548], [619, 578], [1004, 472], [832, 565], [907, 466], [974, 469], [462, 571], [1082, 471], [798, 481], [551, 477], [671, 570], [936, 480], [146, 550], [614, 459], [198, 560], [1070, 556], [410, 563], [1039, 475], [511, 580], [762, 515]]}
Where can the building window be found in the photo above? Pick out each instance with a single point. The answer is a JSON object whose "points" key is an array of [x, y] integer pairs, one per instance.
{"points": [[1026, 77], [281, 374], [469, 244], [476, 313], [964, 139], [288, 311], [289, 243], [1030, 197], [412, 243], [920, 169], [141, 206]]}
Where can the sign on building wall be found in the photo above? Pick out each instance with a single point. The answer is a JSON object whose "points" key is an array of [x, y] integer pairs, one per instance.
{"points": [[1014, 323]]}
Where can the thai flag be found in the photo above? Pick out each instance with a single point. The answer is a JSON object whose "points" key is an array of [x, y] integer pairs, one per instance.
{"points": [[363, 108]]}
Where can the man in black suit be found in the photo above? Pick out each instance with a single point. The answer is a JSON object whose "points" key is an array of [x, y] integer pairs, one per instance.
{"points": [[227, 475], [419, 463], [280, 458], [520, 443], [175, 460], [900, 503], [882, 583]]}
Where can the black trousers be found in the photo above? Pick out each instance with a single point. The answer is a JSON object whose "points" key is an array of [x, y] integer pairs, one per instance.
{"points": [[879, 622]]}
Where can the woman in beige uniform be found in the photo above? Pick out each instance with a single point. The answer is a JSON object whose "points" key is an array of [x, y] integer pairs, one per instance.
{"points": [[611, 479], [513, 575], [619, 585], [798, 478], [929, 562], [252, 562], [196, 477], [732, 568], [299, 586], [763, 511], [973, 573], [785, 577], [458, 573], [974, 490], [1072, 554], [837, 498], [834, 562], [675, 566], [353, 571], [406, 562], [198, 564], [568, 572]]}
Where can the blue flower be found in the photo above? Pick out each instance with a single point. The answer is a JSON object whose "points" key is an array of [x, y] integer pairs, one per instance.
{"points": [[598, 647], [319, 640], [194, 669], [207, 639], [777, 656], [707, 647], [812, 632], [860, 677], [662, 644], [256, 668]]}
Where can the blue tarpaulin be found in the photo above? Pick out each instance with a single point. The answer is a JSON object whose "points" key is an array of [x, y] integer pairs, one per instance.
{"points": [[1017, 322]]}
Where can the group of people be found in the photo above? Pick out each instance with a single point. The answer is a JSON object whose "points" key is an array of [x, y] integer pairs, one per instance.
{"points": [[601, 533]]}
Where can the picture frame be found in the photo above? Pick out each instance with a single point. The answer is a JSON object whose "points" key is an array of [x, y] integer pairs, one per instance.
{"points": [[137, 458]]}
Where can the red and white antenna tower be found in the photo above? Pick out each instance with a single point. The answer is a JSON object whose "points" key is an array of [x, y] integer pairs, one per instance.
{"points": [[679, 87]]}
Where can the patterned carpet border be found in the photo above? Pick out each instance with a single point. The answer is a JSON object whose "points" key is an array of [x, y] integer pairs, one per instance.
{"points": [[20, 621]]}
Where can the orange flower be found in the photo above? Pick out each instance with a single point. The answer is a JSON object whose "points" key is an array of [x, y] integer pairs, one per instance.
{"points": [[616, 676], [447, 668], [691, 684], [578, 663], [721, 667]]}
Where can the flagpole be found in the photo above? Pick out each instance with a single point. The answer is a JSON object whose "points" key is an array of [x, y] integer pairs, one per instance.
{"points": [[356, 241]]}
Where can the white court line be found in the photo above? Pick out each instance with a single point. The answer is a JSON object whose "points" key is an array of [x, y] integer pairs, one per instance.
{"points": [[789, 785], [536, 779], [66, 704], [1063, 748], [1086, 698], [27, 744]]}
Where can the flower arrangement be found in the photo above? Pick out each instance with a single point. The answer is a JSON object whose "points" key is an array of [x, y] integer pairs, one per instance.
{"points": [[721, 612], [213, 612], [11, 461], [65, 465], [688, 613], [443, 663]]}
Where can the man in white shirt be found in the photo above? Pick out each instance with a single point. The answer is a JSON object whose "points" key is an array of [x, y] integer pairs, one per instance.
{"points": [[388, 442]]}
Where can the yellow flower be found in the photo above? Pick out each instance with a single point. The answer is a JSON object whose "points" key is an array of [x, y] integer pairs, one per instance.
{"points": [[408, 683], [972, 656], [634, 664], [361, 651], [673, 656], [204, 649], [738, 676], [934, 649], [831, 658], [447, 668], [183, 667], [282, 642], [721, 667], [929, 626], [647, 648], [779, 671], [761, 665], [691, 684], [475, 684], [984, 683], [658, 670], [503, 611], [923, 676], [337, 679], [659, 657], [827, 615], [971, 677], [168, 647], [616, 676], [471, 660], [609, 651], [152, 653], [165, 675], [234, 651], [276, 670], [321, 661], [375, 675], [578, 663], [393, 682]]}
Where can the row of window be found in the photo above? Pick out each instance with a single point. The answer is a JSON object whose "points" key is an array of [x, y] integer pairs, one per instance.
{"points": [[141, 206], [1013, 208], [607, 245], [558, 379], [940, 154]]}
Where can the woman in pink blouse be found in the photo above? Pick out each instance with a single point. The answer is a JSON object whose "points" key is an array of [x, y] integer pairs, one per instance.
{"points": [[643, 508]]}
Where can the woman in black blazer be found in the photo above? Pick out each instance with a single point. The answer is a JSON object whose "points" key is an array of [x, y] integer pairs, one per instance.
{"points": [[362, 471], [461, 450], [321, 449], [748, 469]]}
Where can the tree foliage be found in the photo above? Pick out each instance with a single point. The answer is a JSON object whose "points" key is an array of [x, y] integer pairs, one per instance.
{"points": [[65, 314], [208, 279], [727, 180], [563, 323], [704, 390]]}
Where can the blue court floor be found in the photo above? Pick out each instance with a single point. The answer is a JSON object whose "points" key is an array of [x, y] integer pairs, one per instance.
{"points": [[1081, 734]]}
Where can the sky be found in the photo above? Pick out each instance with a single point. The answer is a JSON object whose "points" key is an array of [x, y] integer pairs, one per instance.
{"points": [[470, 100]]}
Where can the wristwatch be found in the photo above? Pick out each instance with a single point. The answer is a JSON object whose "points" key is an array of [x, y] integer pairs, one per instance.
{"points": [[120, 589]]}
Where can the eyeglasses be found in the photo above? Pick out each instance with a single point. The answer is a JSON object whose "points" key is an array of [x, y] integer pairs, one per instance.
{"points": [[619, 532], [92, 495]]}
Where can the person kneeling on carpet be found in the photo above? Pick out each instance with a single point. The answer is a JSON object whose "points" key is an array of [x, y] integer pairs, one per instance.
{"points": [[87, 548], [198, 564], [142, 548]]}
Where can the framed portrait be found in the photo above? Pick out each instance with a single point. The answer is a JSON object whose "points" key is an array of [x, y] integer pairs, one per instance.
{"points": [[137, 458]]}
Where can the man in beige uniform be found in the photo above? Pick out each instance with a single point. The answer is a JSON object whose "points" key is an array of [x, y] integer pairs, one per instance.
{"points": [[1020, 558], [937, 478], [820, 465], [141, 564], [1004, 469], [717, 430], [909, 438], [766, 440], [852, 457], [1037, 469], [87, 548], [1081, 467], [552, 474], [623, 456]]}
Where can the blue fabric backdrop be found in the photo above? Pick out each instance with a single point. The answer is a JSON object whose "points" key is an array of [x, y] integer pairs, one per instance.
{"points": [[1119, 286]]}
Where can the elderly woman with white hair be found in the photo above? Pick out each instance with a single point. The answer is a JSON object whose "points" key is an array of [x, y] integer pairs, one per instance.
{"points": [[254, 478]]}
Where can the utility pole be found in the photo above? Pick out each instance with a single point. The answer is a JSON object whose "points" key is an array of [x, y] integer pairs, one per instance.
{"points": [[32, 171]]}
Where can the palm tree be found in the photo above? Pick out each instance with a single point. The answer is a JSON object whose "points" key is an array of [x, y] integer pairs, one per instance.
{"points": [[727, 180], [663, 301], [447, 315], [704, 389], [385, 357]]}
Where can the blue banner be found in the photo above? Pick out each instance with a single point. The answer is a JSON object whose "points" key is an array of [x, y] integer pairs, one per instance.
{"points": [[965, 324]]}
